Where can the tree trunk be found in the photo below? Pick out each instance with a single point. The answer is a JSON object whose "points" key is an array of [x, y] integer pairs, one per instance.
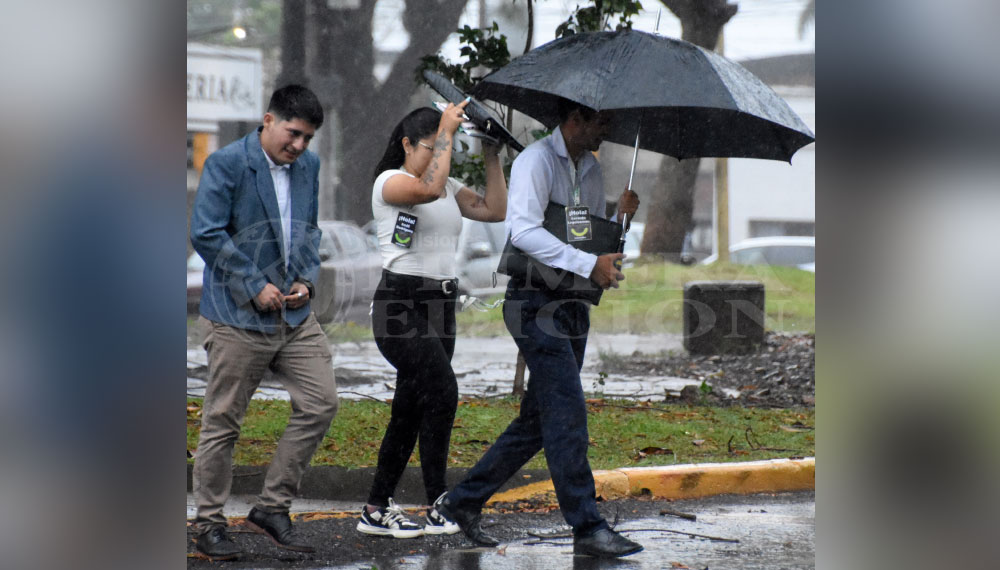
{"points": [[672, 199], [366, 111], [670, 209], [293, 43]]}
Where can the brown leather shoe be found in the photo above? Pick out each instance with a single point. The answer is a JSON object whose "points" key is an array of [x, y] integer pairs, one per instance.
{"points": [[278, 527]]}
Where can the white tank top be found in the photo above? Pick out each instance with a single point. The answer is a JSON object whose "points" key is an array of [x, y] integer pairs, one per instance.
{"points": [[435, 241]]}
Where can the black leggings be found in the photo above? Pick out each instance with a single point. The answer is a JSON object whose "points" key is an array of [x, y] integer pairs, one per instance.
{"points": [[413, 321]]}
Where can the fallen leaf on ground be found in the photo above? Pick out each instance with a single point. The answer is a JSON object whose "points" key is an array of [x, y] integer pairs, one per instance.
{"points": [[652, 450]]}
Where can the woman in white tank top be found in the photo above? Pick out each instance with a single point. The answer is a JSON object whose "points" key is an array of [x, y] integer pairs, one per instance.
{"points": [[418, 213]]}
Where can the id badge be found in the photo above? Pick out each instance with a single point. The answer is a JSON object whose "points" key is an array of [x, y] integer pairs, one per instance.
{"points": [[578, 224], [406, 226]]}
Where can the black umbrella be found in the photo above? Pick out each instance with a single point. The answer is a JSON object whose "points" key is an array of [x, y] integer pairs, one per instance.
{"points": [[689, 102]]}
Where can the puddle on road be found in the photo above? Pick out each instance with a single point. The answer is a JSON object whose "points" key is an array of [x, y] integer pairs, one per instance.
{"points": [[484, 367], [777, 536]]}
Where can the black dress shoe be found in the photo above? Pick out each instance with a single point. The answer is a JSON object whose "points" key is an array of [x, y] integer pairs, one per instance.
{"points": [[605, 543], [469, 522], [278, 527], [215, 544]]}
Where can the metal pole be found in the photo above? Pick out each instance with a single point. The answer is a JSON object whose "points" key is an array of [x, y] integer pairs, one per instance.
{"points": [[631, 174], [635, 154]]}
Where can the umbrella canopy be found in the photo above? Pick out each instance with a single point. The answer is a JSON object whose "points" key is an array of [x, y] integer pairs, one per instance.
{"points": [[690, 102]]}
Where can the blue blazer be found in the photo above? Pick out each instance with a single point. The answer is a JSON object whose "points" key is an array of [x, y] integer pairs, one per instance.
{"points": [[236, 229]]}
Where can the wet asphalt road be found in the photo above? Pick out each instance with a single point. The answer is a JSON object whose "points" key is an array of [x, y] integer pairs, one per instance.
{"points": [[773, 532]]}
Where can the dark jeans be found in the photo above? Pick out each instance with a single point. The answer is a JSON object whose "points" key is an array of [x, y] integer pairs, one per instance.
{"points": [[552, 335], [414, 328]]}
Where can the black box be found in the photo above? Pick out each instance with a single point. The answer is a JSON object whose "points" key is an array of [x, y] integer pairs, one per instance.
{"points": [[723, 316]]}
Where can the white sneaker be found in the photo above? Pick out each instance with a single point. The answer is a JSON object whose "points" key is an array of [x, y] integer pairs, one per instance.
{"points": [[388, 521], [438, 523]]}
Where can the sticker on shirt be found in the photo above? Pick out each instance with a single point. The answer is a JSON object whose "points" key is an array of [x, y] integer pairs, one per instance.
{"points": [[578, 224], [406, 225]]}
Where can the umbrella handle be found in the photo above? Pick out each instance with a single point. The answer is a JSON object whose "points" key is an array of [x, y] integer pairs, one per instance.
{"points": [[631, 174], [621, 242]]}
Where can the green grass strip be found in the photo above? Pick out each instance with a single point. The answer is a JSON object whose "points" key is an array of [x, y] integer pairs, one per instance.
{"points": [[622, 433]]}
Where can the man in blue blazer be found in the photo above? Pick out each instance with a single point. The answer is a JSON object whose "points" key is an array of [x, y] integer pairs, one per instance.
{"points": [[254, 224]]}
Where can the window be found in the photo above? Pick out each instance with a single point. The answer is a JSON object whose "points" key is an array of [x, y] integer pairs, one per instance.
{"points": [[765, 228]]}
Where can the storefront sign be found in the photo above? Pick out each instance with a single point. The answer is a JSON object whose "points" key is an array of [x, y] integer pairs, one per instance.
{"points": [[223, 84]]}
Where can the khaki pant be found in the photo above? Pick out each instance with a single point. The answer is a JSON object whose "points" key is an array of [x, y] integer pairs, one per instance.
{"points": [[237, 360]]}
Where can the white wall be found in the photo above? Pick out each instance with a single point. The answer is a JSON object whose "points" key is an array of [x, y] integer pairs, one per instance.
{"points": [[773, 190]]}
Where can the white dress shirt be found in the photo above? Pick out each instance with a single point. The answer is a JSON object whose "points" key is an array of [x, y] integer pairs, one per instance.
{"points": [[281, 177], [540, 174]]}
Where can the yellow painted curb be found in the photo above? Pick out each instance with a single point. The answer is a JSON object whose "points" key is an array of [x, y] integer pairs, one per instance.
{"points": [[702, 480], [609, 484], [688, 481]]}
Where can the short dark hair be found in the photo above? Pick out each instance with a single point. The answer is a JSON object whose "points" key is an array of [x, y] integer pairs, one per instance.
{"points": [[296, 102], [566, 107]]}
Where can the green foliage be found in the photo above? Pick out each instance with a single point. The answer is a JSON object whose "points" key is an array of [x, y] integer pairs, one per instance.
{"points": [[539, 134], [484, 47], [470, 168], [481, 48], [598, 386], [598, 17]]}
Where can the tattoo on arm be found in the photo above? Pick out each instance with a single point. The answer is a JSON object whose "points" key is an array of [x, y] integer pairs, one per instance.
{"points": [[440, 145]]}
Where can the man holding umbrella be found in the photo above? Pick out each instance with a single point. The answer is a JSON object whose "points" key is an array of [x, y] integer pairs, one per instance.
{"points": [[550, 328]]}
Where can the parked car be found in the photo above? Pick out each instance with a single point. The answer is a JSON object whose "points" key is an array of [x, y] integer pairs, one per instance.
{"points": [[350, 269], [479, 248], [789, 251]]}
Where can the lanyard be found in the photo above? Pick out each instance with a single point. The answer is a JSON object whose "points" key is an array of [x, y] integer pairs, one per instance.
{"points": [[574, 182]]}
